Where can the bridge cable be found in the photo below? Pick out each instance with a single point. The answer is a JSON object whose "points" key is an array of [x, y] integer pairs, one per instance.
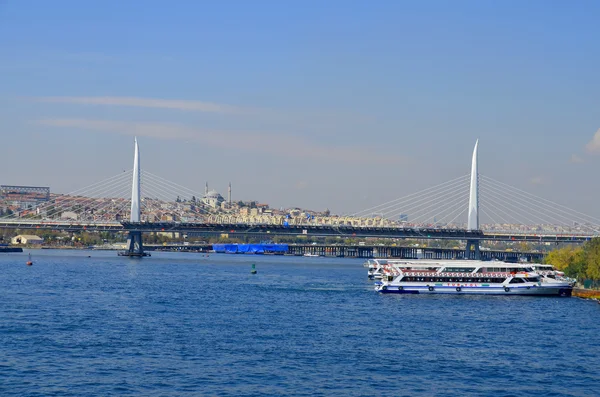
{"points": [[547, 203], [356, 214], [417, 202]]}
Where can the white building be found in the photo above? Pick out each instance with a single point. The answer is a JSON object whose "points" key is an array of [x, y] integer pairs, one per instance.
{"points": [[69, 215], [27, 239]]}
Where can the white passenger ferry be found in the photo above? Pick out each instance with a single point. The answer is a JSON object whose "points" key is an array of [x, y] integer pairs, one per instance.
{"points": [[463, 277], [375, 268], [549, 274]]}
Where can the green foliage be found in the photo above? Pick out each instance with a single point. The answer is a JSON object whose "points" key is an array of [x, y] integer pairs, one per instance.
{"points": [[591, 255], [578, 262]]}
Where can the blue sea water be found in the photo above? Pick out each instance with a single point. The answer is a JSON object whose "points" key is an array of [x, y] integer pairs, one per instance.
{"points": [[184, 324]]}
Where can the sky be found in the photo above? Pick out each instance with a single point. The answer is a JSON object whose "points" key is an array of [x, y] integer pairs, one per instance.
{"points": [[315, 104]]}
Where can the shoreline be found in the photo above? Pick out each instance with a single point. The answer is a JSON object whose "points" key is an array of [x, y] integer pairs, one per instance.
{"points": [[586, 293]]}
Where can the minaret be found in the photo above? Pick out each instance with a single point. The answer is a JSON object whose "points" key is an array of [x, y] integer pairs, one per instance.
{"points": [[229, 194], [206, 189]]}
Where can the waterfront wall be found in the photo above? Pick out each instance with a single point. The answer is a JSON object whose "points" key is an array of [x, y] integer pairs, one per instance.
{"points": [[11, 249], [353, 251]]}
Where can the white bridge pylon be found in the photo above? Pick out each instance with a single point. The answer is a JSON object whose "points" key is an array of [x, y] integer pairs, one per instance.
{"points": [[135, 247], [473, 218], [135, 186]]}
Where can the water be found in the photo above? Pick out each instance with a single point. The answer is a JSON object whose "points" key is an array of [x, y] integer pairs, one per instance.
{"points": [[183, 324]]}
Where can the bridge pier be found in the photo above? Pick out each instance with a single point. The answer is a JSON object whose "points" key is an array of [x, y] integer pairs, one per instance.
{"points": [[472, 250], [134, 247]]}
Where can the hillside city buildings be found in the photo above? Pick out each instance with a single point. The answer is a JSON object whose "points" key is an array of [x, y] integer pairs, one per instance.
{"points": [[29, 202]]}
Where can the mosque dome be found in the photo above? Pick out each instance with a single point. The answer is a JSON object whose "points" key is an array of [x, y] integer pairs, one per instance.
{"points": [[213, 199], [213, 194]]}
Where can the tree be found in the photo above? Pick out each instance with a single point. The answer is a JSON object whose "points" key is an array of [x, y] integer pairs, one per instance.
{"points": [[571, 260], [591, 255], [178, 200], [524, 246], [563, 257]]}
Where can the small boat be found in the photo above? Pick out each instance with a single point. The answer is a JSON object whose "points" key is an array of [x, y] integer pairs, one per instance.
{"points": [[312, 255], [29, 262]]}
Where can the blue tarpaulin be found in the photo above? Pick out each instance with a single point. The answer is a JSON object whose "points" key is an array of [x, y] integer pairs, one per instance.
{"points": [[250, 248]]}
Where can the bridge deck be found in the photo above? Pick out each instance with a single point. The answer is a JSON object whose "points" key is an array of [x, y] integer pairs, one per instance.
{"points": [[307, 230]]}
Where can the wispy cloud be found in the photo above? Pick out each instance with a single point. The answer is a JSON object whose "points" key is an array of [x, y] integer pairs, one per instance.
{"points": [[176, 104], [594, 145], [269, 143], [576, 159]]}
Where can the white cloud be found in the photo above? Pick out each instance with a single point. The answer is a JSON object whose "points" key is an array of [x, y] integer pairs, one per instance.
{"points": [[269, 143], [576, 159], [594, 145], [177, 104]]}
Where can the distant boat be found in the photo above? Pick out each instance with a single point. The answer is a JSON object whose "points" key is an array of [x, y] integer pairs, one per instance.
{"points": [[29, 262]]}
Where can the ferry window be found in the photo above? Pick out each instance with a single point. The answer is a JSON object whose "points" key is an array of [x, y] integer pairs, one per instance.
{"points": [[459, 269], [533, 279], [516, 280]]}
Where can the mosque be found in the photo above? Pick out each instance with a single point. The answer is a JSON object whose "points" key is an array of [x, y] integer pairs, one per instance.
{"points": [[213, 199]]}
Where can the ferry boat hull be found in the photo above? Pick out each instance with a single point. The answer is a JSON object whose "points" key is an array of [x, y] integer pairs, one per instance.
{"points": [[537, 290]]}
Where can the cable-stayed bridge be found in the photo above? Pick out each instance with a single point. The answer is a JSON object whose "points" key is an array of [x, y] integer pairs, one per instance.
{"points": [[137, 201]]}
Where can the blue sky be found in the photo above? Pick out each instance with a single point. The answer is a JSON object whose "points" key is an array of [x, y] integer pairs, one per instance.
{"points": [[318, 104]]}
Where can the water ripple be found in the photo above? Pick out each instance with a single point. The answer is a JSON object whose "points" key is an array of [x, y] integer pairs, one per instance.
{"points": [[184, 325]]}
